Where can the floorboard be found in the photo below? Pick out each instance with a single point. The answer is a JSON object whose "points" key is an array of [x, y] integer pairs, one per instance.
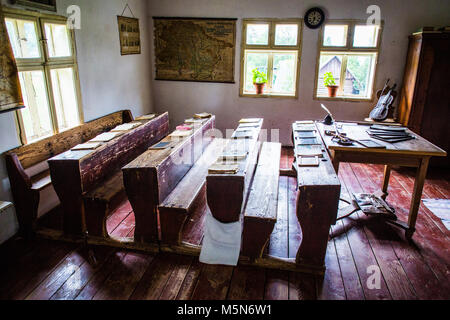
{"points": [[42, 270]]}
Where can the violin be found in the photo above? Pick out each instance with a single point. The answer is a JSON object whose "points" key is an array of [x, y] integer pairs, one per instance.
{"points": [[386, 99]]}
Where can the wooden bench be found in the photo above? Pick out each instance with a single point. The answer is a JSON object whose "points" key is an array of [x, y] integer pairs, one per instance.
{"points": [[188, 198], [226, 192], [150, 178], [260, 214], [29, 173], [90, 181]]}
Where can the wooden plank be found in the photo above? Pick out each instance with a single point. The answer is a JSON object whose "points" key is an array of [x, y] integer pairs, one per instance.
{"points": [[155, 278], [177, 278], [260, 213], [124, 279], [277, 285], [279, 245], [48, 287], [294, 229], [150, 178], [302, 287], [81, 276], [425, 271], [331, 287], [396, 278], [213, 283], [247, 284], [43, 150], [361, 251], [190, 281], [188, 198], [33, 270]]}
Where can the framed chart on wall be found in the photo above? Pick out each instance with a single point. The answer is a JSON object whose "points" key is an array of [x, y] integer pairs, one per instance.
{"points": [[49, 5], [130, 37]]}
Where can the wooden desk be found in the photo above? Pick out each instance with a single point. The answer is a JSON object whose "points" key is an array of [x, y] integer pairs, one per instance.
{"points": [[151, 177], [414, 153], [227, 192], [76, 172]]}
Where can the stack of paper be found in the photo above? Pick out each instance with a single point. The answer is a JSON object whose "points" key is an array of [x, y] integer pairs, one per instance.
{"points": [[223, 168], [247, 134], [252, 120], [161, 146], [194, 121], [234, 155], [146, 117], [87, 146], [309, 151], [203, 115], [181, 134], [106, 137], [126, 127]]}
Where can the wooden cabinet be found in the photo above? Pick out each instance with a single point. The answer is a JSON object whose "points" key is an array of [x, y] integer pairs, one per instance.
{"points": [[425, 98]]}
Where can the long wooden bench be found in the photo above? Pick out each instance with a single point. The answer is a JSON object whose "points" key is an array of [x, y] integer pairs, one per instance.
{"points": [[188, 198], [150, 178], [89, 181], [260, 214], [226, 192], [29, 173]]}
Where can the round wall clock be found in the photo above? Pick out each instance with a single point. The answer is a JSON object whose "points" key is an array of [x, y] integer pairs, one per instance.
{"points": [[314, 18]]}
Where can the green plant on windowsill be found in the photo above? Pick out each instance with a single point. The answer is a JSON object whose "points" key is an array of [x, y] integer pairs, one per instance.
{"points": [[259, 80], [330, 83]]}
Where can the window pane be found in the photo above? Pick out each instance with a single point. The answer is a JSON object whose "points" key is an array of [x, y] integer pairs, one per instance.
{"points": [[65, 98], [57, 40], [284, 73], [286, 35], [23, 38], [335, 36], [359, 75], [366, 36], [36, 115], [328, 63], [258, 34], [253, 61]]}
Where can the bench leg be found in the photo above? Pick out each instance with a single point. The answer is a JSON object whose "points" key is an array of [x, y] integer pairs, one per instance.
{"points": [[256, 236], [172, 223], [317, 208], [27, 212], [96, 214]]}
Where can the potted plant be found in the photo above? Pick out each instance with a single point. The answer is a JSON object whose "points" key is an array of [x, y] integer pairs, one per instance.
{"points": [[259, 80], [330, 83]]}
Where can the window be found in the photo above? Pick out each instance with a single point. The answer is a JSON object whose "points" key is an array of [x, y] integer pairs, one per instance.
{"points": [[349, 50], [271, 46], [45, 54]]}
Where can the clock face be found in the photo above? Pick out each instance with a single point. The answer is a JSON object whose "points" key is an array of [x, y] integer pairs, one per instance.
{"points": [[314, 18]]}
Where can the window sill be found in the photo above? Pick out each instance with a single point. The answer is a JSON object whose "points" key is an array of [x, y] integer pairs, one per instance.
{"points": [[344, 99], [267, 96]]}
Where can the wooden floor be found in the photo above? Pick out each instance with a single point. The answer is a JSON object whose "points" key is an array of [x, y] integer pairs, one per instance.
{"points": [[421, 270]]}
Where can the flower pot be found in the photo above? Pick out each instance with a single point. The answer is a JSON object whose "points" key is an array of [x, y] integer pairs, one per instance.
{"points": [[260, 88], [332, 91]]}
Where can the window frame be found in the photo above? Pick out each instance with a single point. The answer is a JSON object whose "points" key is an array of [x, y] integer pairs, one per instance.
{"points": [[347, 50], [46, 64], [272, 22]]}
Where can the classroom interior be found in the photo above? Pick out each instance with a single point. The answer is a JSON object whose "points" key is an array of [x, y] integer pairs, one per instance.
{"points": [[224, 150]]}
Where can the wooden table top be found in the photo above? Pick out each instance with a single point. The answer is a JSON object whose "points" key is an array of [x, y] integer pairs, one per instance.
{"points": [[418, 147]]}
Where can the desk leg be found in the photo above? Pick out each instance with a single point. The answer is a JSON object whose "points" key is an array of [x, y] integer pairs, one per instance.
{"points": [[417, 196], [387, 177], [336, 163]]}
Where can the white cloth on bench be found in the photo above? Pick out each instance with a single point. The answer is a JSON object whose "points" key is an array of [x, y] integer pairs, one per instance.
{"points": [[222, 242]]}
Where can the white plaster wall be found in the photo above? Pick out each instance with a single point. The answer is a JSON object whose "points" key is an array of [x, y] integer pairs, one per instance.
{"points": [[182, 99], [109, 81]]}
